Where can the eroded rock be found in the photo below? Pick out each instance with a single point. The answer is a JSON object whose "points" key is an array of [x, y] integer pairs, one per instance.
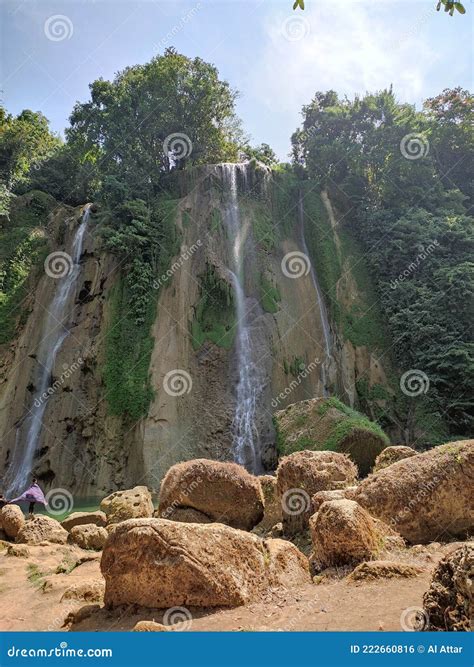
{"points": [[90, 591], [301, 475], [224, 492], [89, 536], [343, 533], [161, 563], [12, 520], [384, 569], [40, 529], [427, 496], [449, 601], [391, 455], [129, 504], [80, 518]]}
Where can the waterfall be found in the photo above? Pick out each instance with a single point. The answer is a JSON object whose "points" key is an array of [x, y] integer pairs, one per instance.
{"points": [[246, 441], [55, 330], [322, 308]]}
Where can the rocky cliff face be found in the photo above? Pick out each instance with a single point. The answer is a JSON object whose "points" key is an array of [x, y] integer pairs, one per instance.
{"points": [[194, 363]]}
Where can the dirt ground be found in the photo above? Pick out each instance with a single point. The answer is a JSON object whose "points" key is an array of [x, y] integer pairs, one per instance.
{"points": [[31, 589]]}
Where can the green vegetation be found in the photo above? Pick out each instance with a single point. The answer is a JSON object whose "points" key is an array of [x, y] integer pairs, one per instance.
{"points": [[342, 429], [214, 315], [414, 231], [269, 295]]}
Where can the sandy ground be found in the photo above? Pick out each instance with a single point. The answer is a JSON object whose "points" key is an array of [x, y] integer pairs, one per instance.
{"points": [[31, 590]]}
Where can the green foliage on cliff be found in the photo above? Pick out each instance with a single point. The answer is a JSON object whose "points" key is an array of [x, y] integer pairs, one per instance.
{"points": [[269, 295], [214, 314], [128, 348], [386, 166], [23, 247]]}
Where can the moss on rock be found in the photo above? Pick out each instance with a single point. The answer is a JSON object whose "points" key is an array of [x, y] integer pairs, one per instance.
{"points": [[328, 424]]}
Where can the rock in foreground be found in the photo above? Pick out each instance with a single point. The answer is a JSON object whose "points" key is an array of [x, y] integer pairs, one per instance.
{"points": [[224, 492], [129, 504], [328, 424], [11, 520], [426, 497], [343, 533], [80, 518], [161, 563], [449, 601], [89, 536], [303, 474], [42, 529]]}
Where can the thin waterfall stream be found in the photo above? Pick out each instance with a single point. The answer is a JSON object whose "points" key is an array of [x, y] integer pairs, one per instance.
{"points": [[322, 308], [246, 441], [54, 333]]}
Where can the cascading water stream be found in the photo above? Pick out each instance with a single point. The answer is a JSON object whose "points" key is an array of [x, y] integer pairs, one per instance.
{"points": [[322, 308], [246, 443], [55, 331]]}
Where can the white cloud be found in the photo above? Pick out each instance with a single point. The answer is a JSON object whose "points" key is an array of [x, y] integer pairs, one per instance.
{"points": [[351, 47]]}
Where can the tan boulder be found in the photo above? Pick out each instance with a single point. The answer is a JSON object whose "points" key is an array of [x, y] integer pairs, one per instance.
{"points": [[80, 518], [343, 533], [186, 515], [328, 424], [129, 504], [161, 563], [272, 504], [149, 626], [42, 528], [384, 569], [425, 497], [449, 601], [12, 520], [89, 536], [224, 492], [321, 496], [391, 455], [90, 591], [301, 475]]}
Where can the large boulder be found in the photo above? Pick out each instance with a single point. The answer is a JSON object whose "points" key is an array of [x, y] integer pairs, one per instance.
{"points": [[80, 518], [89, 536], [272, 504], [425, 497], [133, 503], [12, 520], [328, 424], [42, 528], [161, 563], [343, 533], [449, 601], [303, 474], [224, 492], [391, 455]]}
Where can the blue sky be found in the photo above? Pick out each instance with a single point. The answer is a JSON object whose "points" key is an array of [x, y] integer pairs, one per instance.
{"points": [[275, 57]]}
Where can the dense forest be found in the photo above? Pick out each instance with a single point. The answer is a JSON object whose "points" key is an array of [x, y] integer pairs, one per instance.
{"points": [[402, 180]]}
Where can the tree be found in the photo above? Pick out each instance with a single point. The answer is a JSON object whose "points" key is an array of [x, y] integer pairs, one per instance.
{"points": [[448, 5], [263, 153]]}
